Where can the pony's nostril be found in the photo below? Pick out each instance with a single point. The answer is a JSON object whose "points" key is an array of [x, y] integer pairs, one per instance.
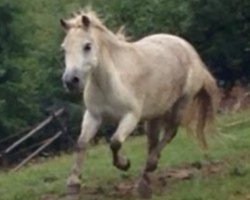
{"points": [[70, 82], [75, 80]]}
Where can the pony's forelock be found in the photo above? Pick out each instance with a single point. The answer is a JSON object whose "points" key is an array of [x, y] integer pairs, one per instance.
{"points": [[76, 19]]}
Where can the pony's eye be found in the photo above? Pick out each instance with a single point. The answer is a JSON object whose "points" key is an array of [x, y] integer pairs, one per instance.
{"points": [[87, 47]]}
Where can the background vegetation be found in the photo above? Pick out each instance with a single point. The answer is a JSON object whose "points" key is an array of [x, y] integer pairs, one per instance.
{"points": [[30, 36]]}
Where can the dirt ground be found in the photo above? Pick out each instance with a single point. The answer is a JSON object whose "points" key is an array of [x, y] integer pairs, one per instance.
{"points": [[159, 182]]}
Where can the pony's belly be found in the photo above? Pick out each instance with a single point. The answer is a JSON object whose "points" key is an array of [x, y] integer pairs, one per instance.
{"points": [[110, 115], [159, 105], [151, 113]]}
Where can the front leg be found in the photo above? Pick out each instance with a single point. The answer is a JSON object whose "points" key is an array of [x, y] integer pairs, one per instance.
{"points": [[90, 126], [125, 128]]}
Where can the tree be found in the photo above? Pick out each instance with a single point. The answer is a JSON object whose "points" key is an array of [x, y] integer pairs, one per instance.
{"points": [[9, 72], [220, 31]]}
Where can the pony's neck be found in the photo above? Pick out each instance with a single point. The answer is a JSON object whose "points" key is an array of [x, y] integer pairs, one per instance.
{"points": [[108, 40], [106, 74]]}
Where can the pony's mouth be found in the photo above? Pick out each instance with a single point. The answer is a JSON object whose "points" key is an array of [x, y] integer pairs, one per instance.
{"points": [[71, 83], [72, 88]]}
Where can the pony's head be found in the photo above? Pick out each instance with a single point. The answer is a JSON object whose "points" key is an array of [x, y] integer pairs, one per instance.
{"points": [[80, 50]]}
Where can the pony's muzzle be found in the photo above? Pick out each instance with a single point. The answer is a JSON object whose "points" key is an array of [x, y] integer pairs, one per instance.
{"points": [[71, 82]]}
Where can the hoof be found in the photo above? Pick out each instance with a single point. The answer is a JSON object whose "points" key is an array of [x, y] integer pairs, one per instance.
{"points": [[152, 165], [73, 185], [144, 190], [123, 165], [73, 189]]}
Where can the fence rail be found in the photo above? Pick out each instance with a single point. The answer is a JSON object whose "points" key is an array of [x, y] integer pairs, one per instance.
{"points": [[36, 152], [34, 131], [42, 144]]}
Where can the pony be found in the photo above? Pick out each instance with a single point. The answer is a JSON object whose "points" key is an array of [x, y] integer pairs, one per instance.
{"points": [[159, 80]]}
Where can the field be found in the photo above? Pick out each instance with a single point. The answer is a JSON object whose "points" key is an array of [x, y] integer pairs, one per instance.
{"points": [[185, 171]]}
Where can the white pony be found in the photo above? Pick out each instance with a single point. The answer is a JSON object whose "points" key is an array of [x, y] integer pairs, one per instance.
{"points": [[159, 80]]}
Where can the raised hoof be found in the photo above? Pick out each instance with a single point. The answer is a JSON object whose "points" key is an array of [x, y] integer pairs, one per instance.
{"points": [[144, 190], [124, 165], [151, 166], [73, 189]]}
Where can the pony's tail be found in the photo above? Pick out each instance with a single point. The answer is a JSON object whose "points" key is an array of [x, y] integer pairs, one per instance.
{"points": [[202, 110]]}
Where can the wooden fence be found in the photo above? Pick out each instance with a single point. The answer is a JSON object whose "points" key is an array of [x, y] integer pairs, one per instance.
{"points": [[54, 117]]}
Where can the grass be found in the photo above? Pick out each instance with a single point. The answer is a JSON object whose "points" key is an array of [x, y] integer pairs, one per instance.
{"points": [[46, 178]]}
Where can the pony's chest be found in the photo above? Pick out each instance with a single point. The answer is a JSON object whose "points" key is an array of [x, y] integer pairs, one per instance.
{"points": [[106, 105]]}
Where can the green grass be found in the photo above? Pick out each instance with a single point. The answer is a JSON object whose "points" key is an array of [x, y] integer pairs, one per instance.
{"points": [[232, 146]]}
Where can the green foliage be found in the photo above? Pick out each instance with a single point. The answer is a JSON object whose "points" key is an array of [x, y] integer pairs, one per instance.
{"points": [[220, 32], [10, 48], [30, 69], [144, 17]]}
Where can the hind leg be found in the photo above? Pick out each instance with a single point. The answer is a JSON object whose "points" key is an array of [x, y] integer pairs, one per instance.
{"points": [[154, 154], [152, 130], [152, 160], [169, 123]]}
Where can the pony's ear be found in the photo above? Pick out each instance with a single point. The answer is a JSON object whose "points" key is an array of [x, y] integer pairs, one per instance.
{"points": [[64, 24], [85, 21]]}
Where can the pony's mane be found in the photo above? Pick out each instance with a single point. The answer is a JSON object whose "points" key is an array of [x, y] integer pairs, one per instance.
{"points": [[121, 34], [76, 21]]}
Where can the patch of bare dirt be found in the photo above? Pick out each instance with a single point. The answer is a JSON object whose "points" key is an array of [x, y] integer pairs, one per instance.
{"points": [[159, 182], [163, 178]]}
